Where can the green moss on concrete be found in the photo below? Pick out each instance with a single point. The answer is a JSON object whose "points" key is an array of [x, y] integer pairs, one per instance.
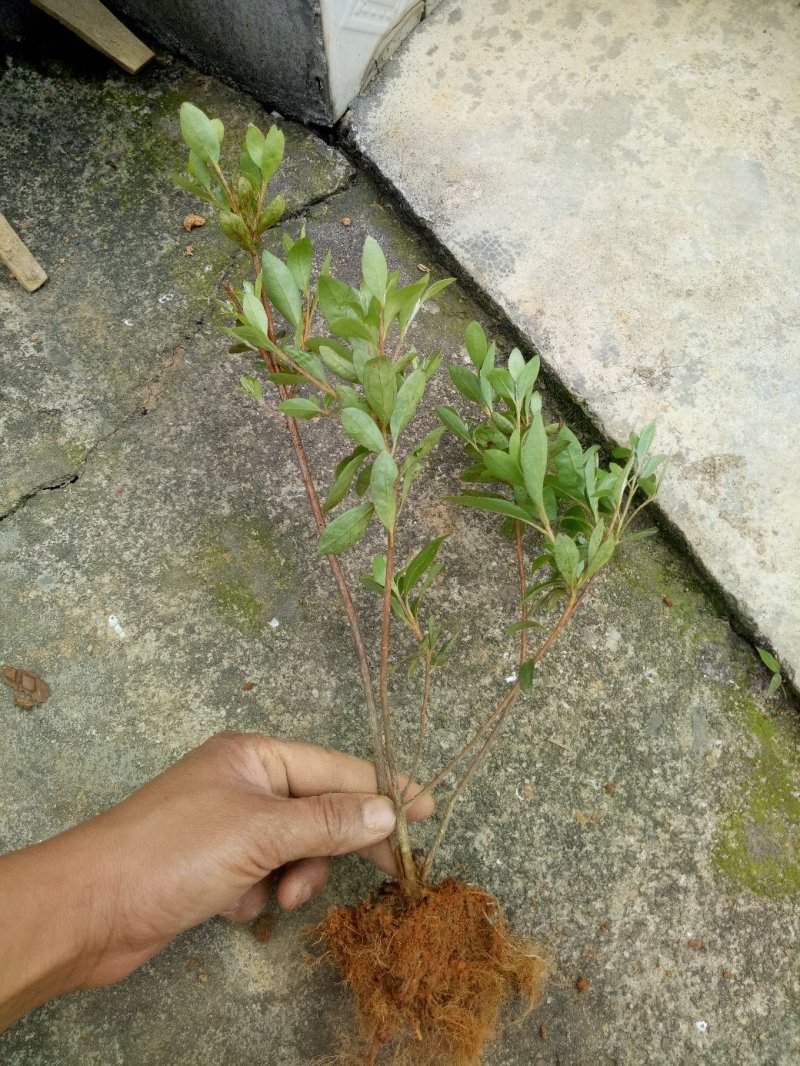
{"points": [[238, 605], [759, 842], [245, 574]]}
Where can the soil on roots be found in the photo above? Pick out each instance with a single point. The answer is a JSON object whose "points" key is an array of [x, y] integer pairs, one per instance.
{"points": [[430, 976]]}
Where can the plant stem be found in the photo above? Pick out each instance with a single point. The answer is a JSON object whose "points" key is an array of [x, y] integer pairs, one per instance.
{"points": [[423, 722], [508, 700], [523, 588], [378, 739], [401, 841]]}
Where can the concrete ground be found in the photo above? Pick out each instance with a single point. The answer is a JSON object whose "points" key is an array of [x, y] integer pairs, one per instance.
{"points": [[624, 181], [641, 816]]}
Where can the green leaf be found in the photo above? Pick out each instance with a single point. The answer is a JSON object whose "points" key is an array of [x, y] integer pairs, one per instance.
{"points": [[298, 260], [516, 363], [595, 540], [198, 132], [272, 155], [475, 340], [374, 269], [352, 327], [491, 503], [345, 473], [346, 530], [601, 556], [381, 485], [253, 387], [526, 676], [380, 387], [425, 446], [450, 418], [565, 553], [337, 363], [310, 362], [199, 168], [774, 684], [502, 467], [362, 481], [769, 660], [254, 143], [361, 428], [408, 400], [467, 384], [651, 466], [281, 288], [336, 300], [517, 627], [402, 302], [250, 172], [272, 213], [349, 397], [642, 535], [527, 378], [534, 463], [255, 314], [415, 570], [194, 187], [298, 407], [644, 442], [234, 229]]}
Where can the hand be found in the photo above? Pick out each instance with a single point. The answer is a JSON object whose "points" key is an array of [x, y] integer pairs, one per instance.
{"points": [[201, 839]]}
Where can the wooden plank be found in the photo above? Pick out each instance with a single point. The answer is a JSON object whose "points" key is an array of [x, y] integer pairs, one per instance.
{"points": [[96, 25], [18, 259]]}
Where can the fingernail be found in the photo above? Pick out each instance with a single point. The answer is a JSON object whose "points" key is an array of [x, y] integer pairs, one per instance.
{"points": [[303, 896], [379, 814]]}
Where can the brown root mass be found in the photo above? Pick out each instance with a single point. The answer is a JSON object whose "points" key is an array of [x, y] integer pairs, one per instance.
{"points": [[430, 976]]}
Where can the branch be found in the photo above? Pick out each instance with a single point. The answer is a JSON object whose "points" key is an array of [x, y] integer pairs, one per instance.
{"points": [[378, 739], [423, 721], [400, 837]]}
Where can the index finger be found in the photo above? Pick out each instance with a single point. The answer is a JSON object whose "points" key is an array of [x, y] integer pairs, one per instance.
{"points": [[296, 768]]}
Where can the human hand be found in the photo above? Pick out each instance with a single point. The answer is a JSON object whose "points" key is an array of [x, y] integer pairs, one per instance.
{"points": [[204, 838]]}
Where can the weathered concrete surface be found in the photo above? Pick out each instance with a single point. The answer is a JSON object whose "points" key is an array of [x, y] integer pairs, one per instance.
{"points": [[123, 296], [188, 524], [624, 181]]}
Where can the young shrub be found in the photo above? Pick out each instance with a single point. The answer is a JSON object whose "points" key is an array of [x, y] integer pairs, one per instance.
{"points": [[431, 964]]}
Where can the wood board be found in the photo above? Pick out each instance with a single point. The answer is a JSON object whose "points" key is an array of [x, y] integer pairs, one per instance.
{"points": [[18, 259], [95, 24]]}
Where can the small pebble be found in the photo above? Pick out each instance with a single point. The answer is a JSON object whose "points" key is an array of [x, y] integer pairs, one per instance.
{"points": [[248, 686]]}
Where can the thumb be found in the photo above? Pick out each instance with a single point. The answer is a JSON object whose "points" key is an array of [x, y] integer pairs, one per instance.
{"points": [[331, 824]]}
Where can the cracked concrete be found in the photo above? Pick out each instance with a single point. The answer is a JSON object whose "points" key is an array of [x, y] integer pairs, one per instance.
{"points": [[640, 817]]}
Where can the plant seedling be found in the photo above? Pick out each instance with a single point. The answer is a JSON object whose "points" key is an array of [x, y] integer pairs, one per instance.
{"points": [[773, 664], [430, 963]]}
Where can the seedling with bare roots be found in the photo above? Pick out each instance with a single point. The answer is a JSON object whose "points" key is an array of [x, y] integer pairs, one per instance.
{"points": [[430, 963]]}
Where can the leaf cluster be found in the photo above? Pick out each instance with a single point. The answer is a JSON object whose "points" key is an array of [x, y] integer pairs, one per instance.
{"points": [[245, 212], [545, 480]]}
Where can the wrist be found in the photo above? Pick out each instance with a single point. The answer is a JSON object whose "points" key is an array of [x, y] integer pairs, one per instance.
{"points": [[53, 921]]}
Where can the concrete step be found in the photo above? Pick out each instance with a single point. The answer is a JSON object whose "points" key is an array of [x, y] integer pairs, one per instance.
{"points": [[623, 182]]}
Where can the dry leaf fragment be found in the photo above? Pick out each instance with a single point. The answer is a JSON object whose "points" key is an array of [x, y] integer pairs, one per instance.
{"points": [[189, 249], [347, 221], [30, 690], [581, 984], [193, 221], [695, 943]]}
